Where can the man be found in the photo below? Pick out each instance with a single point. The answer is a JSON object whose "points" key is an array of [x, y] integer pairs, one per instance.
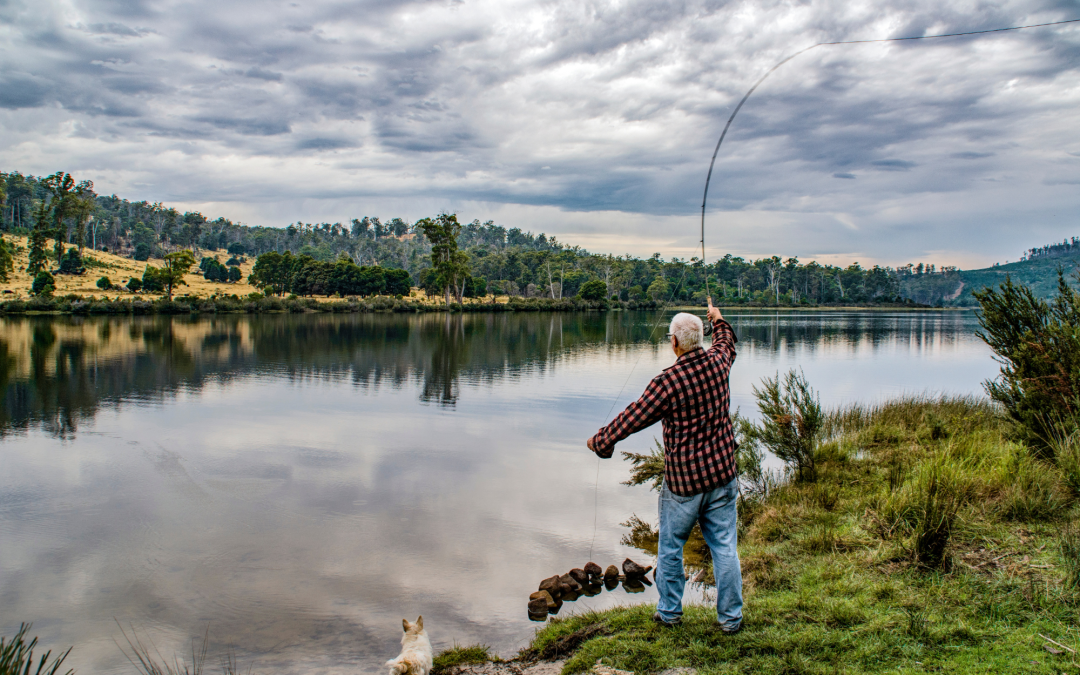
{"points": [[700, 485]]}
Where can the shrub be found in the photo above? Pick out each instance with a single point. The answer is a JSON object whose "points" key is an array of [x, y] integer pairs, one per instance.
{"points": [[152, 281], [792, 421], [104, 283], [43, 285], [71, 262], [1035, 341], [235, 274], [142, 251], [134, 284]]}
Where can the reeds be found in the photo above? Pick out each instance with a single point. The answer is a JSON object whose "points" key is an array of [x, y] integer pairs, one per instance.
{"points": [[17, 656], [148, 660], [1069, 549]]}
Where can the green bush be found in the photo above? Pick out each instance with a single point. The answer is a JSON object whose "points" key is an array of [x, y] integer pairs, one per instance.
{"points": [[1035, 341], [792, 421], [134, 284], [44, 285], [1067, 455], [104, 283]]}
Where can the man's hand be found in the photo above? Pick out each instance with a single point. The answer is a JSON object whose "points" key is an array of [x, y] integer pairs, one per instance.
{"points": [[713, 313], [591, 445]]}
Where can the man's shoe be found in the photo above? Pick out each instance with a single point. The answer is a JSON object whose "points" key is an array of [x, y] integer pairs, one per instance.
{"points": [[731, 631], [664, 622]]}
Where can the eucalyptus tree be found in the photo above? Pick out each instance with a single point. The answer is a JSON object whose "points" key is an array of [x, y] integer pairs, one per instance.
{"points": [[451, 265]]}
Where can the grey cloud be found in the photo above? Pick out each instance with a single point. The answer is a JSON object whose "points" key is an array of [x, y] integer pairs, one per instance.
{"points": [[325, 144], [114, 28], [248, 126], [20, 90], [624, 101], [893, 165], [261, 74]]}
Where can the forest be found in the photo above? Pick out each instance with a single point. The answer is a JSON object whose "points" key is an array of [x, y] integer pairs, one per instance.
{"points": [[492, 258]]}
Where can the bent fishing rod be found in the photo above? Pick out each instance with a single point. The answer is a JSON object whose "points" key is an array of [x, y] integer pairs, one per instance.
{"points": [[735, 112]]}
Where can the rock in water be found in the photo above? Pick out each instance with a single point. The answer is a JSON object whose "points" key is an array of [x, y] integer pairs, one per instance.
{"points": [[593, 570], [611, 583], [545, 596], [569, 584], [633, 570], [633, 585], [611, 572], [579, 575], [538, 606], [552, 585]]}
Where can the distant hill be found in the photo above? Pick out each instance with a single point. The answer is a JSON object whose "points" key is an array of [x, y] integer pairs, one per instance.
{"points": [[1040, 274]]}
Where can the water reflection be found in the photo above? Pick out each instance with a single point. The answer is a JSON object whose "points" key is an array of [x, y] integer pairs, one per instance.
{"points": [[57, 372], [303, 482]]}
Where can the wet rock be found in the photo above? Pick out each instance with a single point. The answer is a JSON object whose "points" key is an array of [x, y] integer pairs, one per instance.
{"points": [[545, 596], [634, 585], [593, 570], [579, 575], [591, 590], [611, 583], [537, 616], [571, 596], [633, 570], [538, 606], [611, 572], [569, 583], [552, 585]]}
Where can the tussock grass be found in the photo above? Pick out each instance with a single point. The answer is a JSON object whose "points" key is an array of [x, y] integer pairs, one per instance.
{"points": [[17, 656], [929, 540], [460, 656]]}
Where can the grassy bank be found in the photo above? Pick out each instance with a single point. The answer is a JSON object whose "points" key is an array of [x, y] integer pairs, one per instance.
{"points": [[837, 577]]}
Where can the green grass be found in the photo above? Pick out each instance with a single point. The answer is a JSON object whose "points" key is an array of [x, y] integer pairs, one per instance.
{"points": [[459, 656], [833, 578]]}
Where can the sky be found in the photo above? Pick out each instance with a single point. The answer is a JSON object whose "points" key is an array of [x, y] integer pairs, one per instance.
{"points": [[590, 120]]}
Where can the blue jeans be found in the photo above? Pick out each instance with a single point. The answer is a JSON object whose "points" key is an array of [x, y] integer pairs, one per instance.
{"points": [[715, 511]]}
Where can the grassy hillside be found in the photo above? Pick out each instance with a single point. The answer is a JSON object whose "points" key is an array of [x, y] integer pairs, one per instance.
{"points": [[1039, 274]]}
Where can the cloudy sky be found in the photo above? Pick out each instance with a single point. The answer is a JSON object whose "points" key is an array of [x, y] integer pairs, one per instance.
{"points": [[593, 120]]}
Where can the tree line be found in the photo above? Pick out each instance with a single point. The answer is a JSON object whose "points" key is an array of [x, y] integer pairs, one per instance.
{"points": [[445, 257]]}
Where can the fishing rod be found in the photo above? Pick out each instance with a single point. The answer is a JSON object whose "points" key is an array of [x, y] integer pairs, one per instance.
{"points": [[735, 112]]}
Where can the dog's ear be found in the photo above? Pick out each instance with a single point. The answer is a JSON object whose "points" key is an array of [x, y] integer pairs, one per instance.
{"points": [[405, 625], [420, 622]]}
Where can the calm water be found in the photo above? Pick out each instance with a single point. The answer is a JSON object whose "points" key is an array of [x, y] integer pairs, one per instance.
{"points": [[301, 483]]}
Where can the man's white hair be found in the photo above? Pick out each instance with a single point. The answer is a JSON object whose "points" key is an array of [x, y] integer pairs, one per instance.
{"points": [[687, 329]]}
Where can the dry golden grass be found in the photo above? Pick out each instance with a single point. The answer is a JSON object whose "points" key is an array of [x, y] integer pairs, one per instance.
{"points": [[119, 270]]}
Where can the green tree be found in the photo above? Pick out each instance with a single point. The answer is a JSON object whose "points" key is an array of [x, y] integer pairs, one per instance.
{"points": [[1038, 346], [151, 280], [450, 264], [7, 260], [39, 255], [176, 266], [43, 285], [398, 282], [272, 272], [134, 284], [104, 283], [658, 289], [235, 274], [593, 290]]}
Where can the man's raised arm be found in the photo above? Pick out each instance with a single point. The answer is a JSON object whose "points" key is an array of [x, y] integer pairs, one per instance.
{"points": [[723, 336]]}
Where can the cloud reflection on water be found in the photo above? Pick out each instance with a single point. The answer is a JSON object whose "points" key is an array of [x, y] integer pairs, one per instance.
{"points": [[302, 483]]}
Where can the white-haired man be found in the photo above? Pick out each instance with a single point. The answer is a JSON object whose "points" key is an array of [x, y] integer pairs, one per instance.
{"points": [[700, 486]]}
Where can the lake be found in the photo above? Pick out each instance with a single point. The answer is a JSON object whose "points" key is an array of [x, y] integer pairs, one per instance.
{"points": [[300, 483]]}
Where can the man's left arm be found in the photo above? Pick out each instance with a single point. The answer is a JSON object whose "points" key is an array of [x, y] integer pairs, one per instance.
{"points": [[642, 413]]}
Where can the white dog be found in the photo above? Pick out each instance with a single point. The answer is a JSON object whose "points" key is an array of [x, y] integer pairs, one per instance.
{"points": [[415, 656]]}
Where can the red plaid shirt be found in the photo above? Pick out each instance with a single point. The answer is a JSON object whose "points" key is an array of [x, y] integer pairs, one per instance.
{"points": [[693, 399]]}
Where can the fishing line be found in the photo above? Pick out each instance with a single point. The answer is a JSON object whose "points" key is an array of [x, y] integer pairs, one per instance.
{"points": [[735, 112]]}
